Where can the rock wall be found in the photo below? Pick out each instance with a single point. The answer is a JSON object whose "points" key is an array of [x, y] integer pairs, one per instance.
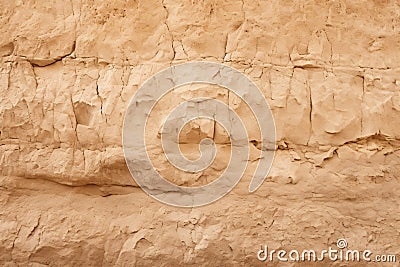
{"points": [[329, 69]]}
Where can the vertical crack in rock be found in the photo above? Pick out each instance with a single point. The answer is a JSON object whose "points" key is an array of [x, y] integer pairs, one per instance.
{"points": [[311, 111], [16, 235], [214, 128], [330, 46], [168, 29], [362, 76], [99, 96], [225, 48], [35, 227]]}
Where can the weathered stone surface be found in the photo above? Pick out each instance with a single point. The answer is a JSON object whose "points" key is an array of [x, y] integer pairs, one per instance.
{"points": [[329, 70]]}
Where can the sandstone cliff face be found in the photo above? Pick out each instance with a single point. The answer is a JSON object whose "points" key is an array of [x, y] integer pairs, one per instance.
{"points": [[329, 69]]}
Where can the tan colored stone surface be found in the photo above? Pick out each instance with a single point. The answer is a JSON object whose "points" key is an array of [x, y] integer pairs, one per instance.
{"points": [[330, 71]]}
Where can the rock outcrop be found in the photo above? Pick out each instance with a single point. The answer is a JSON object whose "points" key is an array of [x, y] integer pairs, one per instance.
{"points": [[330, 71]]}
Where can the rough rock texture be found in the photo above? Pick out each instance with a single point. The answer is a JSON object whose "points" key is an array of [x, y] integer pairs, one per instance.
{"points": [[330, 71]]}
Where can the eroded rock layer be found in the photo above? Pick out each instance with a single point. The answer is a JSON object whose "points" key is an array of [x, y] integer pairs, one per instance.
{"points": [[330, 71]]}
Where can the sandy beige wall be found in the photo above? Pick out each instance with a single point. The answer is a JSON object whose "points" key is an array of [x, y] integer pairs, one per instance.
{"points": [[330, 71]]}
